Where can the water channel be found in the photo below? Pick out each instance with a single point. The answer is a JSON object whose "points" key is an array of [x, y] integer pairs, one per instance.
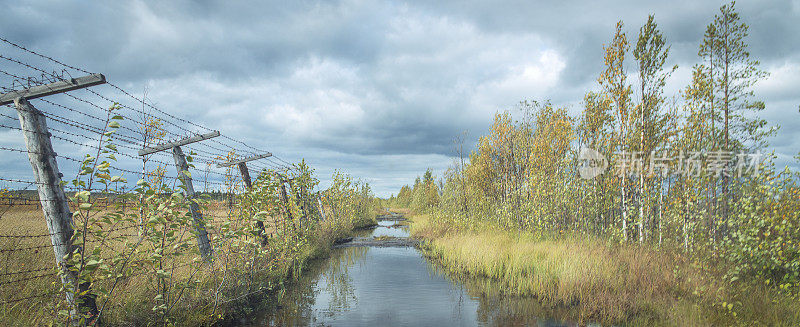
{"points": [[380, 280]]}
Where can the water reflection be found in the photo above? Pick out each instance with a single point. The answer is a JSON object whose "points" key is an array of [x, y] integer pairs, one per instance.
{"points": [[325, 282], [495, 308], [381, 286], [391, 228], [339, 291]]}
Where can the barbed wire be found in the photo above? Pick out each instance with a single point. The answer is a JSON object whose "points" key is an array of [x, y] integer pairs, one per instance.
{"points": [[27, 298], [26, 271], [25, 279], [122, 126], [47, 246], [51, 234], [95, 140], [78, 120], [248, 148], [41, 55]]}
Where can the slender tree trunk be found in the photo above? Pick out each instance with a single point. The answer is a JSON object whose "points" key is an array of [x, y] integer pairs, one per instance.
{"points": [[624, 209], [726, 48], [642, 124], [660, 209], [709, 209]]}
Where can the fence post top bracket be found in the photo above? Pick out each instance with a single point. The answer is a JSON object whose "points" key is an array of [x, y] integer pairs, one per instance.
{"points": [[181, 142], [243, 160]]}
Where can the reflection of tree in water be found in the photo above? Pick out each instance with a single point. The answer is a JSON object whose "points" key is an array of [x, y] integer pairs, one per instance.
{"points": [[498, 308], [295, 305], [339, 283]]}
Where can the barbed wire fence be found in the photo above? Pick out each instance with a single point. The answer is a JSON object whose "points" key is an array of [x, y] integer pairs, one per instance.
{"points": [[76, 122]]}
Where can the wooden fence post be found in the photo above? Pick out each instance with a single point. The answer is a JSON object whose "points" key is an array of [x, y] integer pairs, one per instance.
{"points": [[242, 163], [245, 175], [54, 204], [197, 217], [203, 242], [248, 183], [285, 199]]}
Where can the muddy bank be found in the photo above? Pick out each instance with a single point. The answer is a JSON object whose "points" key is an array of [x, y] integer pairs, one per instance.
{"points": [[390, 216], [388, 222], [379, 242]]}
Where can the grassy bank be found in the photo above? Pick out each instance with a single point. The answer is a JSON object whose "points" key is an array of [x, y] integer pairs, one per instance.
{"points": [[204, 293], [284, 274], [601, 282], [140, 263]]}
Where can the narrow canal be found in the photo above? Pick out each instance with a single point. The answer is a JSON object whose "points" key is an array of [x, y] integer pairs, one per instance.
{"points": [[381, 279]]}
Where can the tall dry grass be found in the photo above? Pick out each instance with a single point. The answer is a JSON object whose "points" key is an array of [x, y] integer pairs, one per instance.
{"points": [[601, 282], [214, 284]]}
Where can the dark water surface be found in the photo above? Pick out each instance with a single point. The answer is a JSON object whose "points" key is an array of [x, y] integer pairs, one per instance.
{"points": [[393, 286]]}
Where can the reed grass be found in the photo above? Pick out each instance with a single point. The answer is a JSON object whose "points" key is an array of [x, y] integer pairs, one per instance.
{"points": [[601, 282]]}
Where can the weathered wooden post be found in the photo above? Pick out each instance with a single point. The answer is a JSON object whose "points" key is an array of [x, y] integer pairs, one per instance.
{"points": [[54, 204], [299, 197], [203, 243], [285, 199], [52, 199], [248, 183], [245, 175]]}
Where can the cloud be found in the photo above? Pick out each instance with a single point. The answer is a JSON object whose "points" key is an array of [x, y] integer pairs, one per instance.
{"points": [[377, 88]]}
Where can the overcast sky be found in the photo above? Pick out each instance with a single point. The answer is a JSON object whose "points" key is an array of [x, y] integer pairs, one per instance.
{"points": [[379, 89]]}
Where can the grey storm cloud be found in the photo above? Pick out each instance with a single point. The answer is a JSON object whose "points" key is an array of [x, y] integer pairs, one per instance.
{"points": [[380, 89]]}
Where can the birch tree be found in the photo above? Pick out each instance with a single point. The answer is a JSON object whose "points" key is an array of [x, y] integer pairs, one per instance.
{"points": [[614, 81], [651, 54]]}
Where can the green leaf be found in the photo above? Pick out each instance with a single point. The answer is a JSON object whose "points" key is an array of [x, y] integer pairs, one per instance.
{"points": [[83, 195]]}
